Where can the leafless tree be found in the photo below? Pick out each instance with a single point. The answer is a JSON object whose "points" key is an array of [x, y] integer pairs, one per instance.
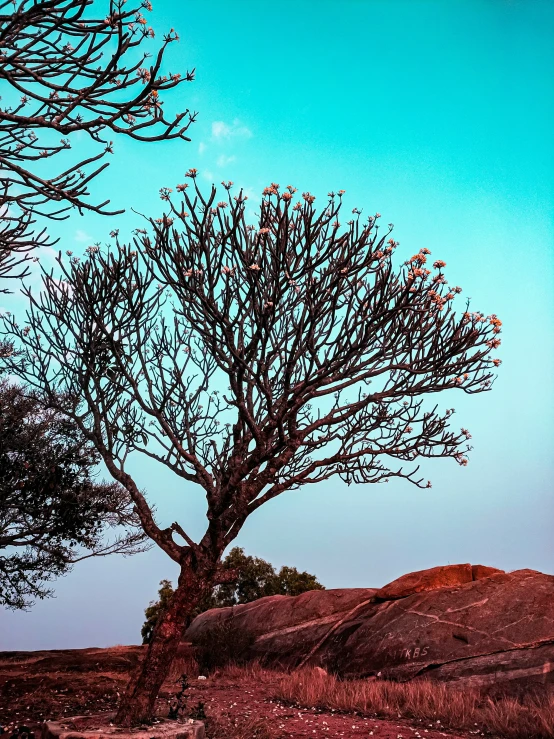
{"points": [[68, 72], [251, 361]]}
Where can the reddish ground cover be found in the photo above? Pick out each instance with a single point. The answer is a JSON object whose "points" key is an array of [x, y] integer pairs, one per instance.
{"points": [[35, 686]]}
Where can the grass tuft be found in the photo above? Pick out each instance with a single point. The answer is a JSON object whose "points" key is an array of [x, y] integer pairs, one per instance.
{"points": [[223, 727]]}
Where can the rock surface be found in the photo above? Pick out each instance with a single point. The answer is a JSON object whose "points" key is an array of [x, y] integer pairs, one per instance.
{"points": [[433, 579], [286, 628], [99, 727], [475, 625]]}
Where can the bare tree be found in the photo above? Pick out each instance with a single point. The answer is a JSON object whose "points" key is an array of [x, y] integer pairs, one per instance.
{"points": [[251, 361], [67, 72]]}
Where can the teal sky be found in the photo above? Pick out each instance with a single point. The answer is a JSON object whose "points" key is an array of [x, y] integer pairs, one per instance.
{"points": [[439, 115]]}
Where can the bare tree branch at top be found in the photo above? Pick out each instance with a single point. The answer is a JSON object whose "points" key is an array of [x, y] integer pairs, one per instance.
{"points": [[67, 69], [251, 360]]}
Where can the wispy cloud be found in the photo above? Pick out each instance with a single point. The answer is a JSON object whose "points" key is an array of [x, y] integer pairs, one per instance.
{"points": [[222, 130], [82, 237], [223, 160], [202, 147], [207, 175]]}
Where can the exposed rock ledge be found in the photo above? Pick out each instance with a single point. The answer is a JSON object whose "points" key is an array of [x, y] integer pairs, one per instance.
{"points": [[471, 624]]}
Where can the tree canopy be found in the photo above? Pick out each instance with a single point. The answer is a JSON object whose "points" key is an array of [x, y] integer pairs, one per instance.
{"points": [[52, 513], [253, 578]]}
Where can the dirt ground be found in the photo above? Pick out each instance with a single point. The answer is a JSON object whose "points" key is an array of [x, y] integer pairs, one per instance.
{"points": [[36, 686]]}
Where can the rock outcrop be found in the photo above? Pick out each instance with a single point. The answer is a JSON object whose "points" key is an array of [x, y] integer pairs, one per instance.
{"points": [[474, 625], [433, 579], [286, 628]]}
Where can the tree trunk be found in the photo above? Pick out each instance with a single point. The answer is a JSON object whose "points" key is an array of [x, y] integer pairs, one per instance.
{"points": [[137, 705]]}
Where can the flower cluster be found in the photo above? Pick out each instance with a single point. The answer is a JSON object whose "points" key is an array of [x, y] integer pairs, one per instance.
{"points": [[418, 258], [437, 299], [143, 74], [273, 189], [496, 322]]}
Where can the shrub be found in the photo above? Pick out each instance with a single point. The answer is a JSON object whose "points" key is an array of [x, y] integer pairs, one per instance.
{"points": [[254, 578], [222, 645]]}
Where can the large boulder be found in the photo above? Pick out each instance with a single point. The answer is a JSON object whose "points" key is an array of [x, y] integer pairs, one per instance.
{"points": [[474, 625], [285, 628], [498, 629]]}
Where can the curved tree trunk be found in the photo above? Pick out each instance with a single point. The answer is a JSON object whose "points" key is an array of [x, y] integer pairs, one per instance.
{"points": [[138, 702]]}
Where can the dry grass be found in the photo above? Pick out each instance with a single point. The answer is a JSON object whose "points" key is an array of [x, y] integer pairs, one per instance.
{"points": [[421, 700], [246, 674], [223, 727], [184, 664]]}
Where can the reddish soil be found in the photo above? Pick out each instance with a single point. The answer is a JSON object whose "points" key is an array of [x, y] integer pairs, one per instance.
{"points": [[35, 686]]}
